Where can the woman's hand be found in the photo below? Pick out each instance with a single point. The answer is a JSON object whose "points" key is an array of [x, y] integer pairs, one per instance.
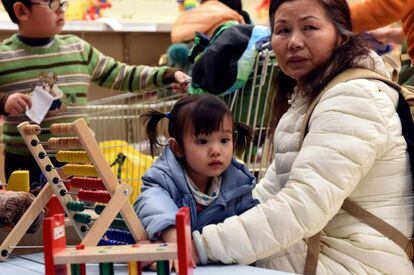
{"points": [[182, 82], [17, 103]]}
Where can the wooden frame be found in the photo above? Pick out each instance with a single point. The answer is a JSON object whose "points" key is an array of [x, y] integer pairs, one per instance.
{"points": [[57, 256], [55, 187]]}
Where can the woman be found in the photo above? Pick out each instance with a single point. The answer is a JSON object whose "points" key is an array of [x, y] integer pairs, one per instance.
{"points": [[353, 149]]}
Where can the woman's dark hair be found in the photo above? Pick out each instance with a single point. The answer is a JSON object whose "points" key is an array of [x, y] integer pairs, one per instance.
{"points": [[344, 56], [203, 114], [8, 6]]}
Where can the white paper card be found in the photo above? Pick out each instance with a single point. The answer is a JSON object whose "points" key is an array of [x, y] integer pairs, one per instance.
{"points": [[41, 102]]}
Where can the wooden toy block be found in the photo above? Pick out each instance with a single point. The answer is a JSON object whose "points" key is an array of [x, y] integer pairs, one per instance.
{"points": [[184, 243], [19, 181], [54, 239]]}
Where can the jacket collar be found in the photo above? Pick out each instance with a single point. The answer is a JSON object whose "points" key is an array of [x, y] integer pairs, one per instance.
{"points": [[236, 180]]}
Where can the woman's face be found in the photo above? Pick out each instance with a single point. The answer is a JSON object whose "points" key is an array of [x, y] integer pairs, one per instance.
{"points": [[303, 38]]}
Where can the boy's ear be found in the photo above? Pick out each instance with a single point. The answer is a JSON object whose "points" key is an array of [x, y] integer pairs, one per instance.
{"points": [[21, 11], [175, 147]]}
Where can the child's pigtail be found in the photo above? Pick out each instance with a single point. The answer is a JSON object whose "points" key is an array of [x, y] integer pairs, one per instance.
{"points": [[243, 137], [151, 119]]}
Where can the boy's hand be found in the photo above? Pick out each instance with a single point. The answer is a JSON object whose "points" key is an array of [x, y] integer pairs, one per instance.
{"points": [[17, 103], [182, 82]]}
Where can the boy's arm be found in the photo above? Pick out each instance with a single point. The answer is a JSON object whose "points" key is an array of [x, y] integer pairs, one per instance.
{"points": [[372, 14], [110, 73], [155, 206]]}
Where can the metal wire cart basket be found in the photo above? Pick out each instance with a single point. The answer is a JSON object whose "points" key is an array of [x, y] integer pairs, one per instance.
{"points": [[121, 135]]}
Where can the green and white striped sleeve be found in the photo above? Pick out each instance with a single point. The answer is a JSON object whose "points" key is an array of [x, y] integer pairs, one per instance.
{"points": [[110, 73]]}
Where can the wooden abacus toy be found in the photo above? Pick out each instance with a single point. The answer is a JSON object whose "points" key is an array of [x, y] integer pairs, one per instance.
{"points": [[58, 256], [103, 187]]}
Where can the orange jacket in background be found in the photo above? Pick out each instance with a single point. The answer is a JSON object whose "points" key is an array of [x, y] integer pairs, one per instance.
{"points": [[204, 18], [368, 15]]}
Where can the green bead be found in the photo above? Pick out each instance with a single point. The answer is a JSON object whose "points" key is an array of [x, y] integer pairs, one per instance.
{"points": [[82, 218], [119, 224], [77, 206]]}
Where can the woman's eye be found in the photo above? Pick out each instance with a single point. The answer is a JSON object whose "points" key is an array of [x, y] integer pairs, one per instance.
{"points": [[202, 141], [310, 27], [281, 31]]}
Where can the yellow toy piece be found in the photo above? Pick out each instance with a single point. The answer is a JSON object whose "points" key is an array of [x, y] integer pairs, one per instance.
{"points": [[19, 181], [133, 167], [79, 157], [184, 5], [80, 170], [76, 10]]}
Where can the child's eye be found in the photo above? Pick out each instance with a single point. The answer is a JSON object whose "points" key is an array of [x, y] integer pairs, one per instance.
{"points": [[225, 140], [202, 141]]}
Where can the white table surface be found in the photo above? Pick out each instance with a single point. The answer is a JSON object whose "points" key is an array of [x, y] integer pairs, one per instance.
{"points": [[20, 266]]}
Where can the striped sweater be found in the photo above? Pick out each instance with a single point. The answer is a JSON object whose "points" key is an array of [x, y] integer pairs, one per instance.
{"points": [[76, 63]]}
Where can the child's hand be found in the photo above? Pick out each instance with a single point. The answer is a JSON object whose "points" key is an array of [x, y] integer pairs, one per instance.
{"points": [[182, 82], [17, 103], [169, 235], [196, 258]]}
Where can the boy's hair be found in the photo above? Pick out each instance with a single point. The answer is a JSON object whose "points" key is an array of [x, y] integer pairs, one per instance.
{"points": [[8, 6], [201, 113]]}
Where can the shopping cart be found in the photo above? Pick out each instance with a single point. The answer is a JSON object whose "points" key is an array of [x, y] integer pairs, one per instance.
{"points": [[121, 134], [115, 121], [252, 105]]}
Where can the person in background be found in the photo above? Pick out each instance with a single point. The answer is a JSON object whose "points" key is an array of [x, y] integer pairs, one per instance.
{"points": [[37, 47], [206, 18], [350, 148], [196, 168], [369, 15]]}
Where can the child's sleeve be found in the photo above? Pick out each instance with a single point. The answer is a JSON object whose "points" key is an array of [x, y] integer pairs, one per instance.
{"points": [[110, 73], [3, 99], [155, 206], [246, 203]]}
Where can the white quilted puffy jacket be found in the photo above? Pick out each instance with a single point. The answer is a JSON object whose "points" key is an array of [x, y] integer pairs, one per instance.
{"points": [[354, 148]]}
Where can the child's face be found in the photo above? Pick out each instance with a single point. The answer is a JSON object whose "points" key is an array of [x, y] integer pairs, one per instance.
{"points": [[42, 21], [209, 155]]}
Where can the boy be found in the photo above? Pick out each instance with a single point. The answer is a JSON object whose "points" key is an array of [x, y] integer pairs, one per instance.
{"points": [[37, 48]]}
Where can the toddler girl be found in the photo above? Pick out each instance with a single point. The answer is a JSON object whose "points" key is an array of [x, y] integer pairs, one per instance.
{"points": [[196, 168]]}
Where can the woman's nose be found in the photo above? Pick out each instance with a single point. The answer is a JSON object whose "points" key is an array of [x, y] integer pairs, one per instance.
{"points": [[296, 41]]}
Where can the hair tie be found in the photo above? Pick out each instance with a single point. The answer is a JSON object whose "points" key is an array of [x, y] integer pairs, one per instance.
{"points": [[168, 115]]}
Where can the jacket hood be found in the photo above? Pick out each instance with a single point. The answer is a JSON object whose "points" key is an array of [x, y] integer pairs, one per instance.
{"points": [[374, 63]]}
